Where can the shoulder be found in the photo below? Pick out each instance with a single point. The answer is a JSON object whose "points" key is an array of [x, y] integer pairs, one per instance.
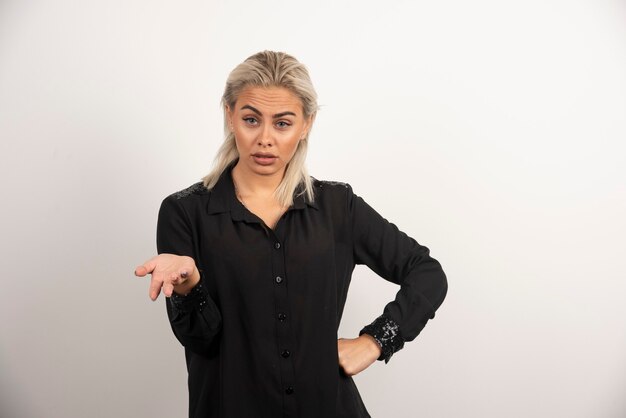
{"points": [[329, 184], [332, 193], [196, 189], [330, 187], [188, 197]]}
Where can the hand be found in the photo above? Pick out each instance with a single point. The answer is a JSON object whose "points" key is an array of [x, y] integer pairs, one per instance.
{"points": [[357, 354], [170, 273]]}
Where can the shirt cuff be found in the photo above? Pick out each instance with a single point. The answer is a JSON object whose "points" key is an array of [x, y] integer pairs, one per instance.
{"points": [[195, 299], [386, 332]]}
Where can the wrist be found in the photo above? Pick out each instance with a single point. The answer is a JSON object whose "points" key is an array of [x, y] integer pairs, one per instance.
{"points": [[386, 332], [375, 347], [184, 288]]}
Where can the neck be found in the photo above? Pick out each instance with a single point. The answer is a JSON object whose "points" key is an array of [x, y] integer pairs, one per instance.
{"points": [[252, 184]]}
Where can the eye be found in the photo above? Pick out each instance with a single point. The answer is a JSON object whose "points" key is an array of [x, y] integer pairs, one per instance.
{"points": [[250, 120], [282, 124]]}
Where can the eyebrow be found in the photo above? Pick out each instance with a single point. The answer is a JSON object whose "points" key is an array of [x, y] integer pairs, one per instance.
{"points": [[277, 115]]}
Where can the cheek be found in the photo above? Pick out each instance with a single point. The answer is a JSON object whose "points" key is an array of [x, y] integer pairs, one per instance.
{"points": [[293, 146], [242, 146], [242, 139]]}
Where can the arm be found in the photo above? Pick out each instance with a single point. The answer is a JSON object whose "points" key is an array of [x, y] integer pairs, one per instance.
{"points": [[194, 317], [398, 258]]}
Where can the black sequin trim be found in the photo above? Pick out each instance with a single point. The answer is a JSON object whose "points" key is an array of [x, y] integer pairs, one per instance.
{"points": [[322, 183], [195, 299], [194, 188], [386, 332]]}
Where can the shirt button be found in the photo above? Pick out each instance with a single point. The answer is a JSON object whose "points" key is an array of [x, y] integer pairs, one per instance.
{"points": [[282, 316], [277, 245], [279, 279], [285, 353], [289, 390]]}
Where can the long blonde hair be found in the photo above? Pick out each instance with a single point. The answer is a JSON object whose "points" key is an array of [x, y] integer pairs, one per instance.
{"points": [[269, 69]]}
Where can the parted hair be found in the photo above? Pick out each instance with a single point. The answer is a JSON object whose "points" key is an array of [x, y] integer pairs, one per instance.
{"points": [[269, 69]]}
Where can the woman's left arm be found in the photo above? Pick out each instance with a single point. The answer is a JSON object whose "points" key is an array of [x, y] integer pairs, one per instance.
{"points": [[400, 259]]}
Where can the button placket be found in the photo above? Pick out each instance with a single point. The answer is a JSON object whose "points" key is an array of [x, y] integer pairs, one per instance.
{"points": [[283, 323]]}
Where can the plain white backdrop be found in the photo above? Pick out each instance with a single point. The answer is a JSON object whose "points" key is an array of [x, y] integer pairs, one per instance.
{"points": [[491, 131]]}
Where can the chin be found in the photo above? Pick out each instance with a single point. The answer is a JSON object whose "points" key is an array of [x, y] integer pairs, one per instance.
{"points": [[267, 170]]}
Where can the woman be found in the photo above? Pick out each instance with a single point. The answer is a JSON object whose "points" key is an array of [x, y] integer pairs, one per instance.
{"points": [[255, 263]]}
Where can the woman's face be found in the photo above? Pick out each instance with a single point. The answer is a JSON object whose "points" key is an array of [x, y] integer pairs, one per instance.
{"points": [[268, 124]]}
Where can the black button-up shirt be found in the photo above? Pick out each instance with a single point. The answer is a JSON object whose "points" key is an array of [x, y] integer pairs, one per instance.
{"points": [[260, 329]]}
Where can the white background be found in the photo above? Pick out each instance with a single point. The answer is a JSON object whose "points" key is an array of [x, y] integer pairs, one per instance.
{"points": [[491, 131]]}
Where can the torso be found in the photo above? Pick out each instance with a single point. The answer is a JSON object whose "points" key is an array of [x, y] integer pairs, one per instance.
{"points": [[311, 251]]}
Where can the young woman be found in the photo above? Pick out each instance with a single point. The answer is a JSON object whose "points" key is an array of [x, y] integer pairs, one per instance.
{"points": [[255, 262]]}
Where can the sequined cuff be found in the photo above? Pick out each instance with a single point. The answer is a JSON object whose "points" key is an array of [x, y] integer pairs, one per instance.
{"points": [[195, 299], [386, 332]]}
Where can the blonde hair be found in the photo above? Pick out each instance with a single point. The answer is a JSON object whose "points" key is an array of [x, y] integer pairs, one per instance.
{"points": [[269, 69]]}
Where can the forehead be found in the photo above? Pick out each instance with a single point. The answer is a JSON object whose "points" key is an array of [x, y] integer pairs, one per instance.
{"points": [[269, 100]]}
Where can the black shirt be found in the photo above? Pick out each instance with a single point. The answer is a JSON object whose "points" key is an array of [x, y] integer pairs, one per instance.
{"points": [[260, 329]]}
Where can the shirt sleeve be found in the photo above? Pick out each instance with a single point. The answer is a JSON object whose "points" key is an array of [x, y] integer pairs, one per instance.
{"points": [[194, 318], [400, 259]]}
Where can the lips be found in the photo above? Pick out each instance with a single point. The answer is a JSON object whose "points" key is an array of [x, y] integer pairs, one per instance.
{"points": [[263, 158]]}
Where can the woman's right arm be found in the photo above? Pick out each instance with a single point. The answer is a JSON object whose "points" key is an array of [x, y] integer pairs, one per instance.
{"points": [[193, 315]]}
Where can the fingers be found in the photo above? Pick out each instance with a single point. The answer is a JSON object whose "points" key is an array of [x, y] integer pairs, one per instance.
{"points": [[168, 289], [158, 284], [147, 267], [168, 285], [354, 355], [140, 271], [155, 288]]}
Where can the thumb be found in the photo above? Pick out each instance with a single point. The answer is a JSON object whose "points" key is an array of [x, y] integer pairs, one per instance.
{"points": [[146, 268]]}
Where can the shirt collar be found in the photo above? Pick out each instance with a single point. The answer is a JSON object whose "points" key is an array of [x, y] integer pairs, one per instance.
{"points": [[223, 199]]}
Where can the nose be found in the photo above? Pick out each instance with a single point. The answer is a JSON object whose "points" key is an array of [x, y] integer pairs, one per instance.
{"points": [[266, 138]]}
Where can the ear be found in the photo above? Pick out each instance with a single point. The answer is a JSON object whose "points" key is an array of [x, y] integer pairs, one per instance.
{"points": [[229, 117]]}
